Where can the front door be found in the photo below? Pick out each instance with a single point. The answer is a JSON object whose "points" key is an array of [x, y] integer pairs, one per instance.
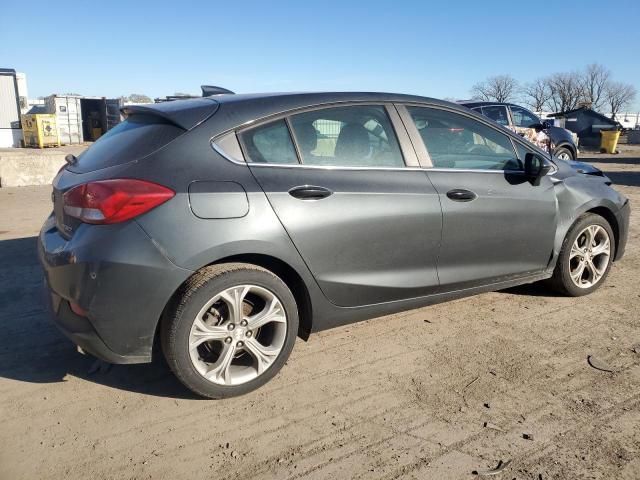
{"points": [[367, 225], [497, 225]]}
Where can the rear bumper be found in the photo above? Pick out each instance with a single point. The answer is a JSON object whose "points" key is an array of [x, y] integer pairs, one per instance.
{"points": [[81, 332], [622, 216], [119, 277]]}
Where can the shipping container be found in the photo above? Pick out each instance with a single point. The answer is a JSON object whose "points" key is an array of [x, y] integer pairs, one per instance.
{"points": [[83, 118], [10, 129], [99, 115], [40, 130], [68, 112]]}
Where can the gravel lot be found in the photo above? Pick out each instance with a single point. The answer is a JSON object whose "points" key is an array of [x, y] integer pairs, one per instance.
{"points": [[432, 393]]}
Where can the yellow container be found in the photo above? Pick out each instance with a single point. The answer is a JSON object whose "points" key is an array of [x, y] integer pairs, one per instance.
{"points": [[40, 130], [609, 140]]}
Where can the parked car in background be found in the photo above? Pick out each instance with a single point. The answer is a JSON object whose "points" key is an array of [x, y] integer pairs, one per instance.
{"points": [[223, 227], [558, 141]]}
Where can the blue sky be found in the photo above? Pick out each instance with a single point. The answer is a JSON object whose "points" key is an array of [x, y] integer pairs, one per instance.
{"points": [[116, 48]]}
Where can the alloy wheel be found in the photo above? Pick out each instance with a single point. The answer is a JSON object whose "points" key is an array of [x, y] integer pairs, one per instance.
{"points": [[238, 334], [565, 156], [589, 257]]}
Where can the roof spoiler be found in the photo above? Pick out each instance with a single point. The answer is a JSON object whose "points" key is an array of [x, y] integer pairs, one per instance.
{"points": [[186, 114], [208, 90]]}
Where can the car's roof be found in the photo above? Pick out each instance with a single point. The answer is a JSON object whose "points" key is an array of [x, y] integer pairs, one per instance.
{"points": [[233, 110], [241, 108], [311, 98], [482, 103]]}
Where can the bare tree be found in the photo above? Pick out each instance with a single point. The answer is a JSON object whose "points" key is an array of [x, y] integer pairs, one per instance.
{"points": [[537, 94], [618, 96], [594, 82], [565, 91], [501, 88]]}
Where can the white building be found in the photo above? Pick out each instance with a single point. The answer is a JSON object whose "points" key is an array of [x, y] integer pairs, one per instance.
{"points": [[10, 127]]}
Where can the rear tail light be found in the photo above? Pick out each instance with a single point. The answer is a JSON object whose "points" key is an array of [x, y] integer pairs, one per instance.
{"points": [[114, 201]]}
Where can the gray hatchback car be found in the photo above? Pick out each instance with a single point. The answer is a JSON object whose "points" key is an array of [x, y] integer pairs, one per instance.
{"points": [[218, 229]]}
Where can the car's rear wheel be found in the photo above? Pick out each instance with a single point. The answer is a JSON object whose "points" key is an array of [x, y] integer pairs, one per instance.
{"points": [[229, 330], [585, 257], [563, 153]]}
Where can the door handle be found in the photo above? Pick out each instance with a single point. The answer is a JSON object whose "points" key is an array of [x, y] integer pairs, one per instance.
{"points": [[461, 195], [310, 192]]}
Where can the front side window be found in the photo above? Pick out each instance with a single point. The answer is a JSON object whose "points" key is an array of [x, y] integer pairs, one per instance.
{"points": [[523, 118], [497, 113], [270, 143], [355, 136], [457, 141]]}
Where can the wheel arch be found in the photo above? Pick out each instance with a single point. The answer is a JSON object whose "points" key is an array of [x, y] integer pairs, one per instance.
{"points": [[282, 269], [290, 277], [569, 146], [570, 211], [609, 216]]}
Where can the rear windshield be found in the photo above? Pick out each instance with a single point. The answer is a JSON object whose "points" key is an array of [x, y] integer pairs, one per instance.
{"points": [[136, 137]]}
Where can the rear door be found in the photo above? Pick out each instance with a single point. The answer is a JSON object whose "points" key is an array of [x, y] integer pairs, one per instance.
{"points": [[358, 208], [497, 225], [525, 123]]}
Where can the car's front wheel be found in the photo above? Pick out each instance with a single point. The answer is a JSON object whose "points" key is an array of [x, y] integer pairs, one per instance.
{"points": [[229, 330], [563, 153], [585, 257]]}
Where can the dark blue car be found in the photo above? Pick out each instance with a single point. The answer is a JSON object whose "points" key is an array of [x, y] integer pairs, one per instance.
{"points": [[560, 142]]}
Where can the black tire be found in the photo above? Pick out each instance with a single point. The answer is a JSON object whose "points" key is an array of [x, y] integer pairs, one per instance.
{"points": [[561, 280], [564, 150], [197, 291]]}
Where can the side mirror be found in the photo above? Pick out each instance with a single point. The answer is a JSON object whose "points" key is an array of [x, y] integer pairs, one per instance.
{"points": [[546, 124], [540, 126], [535, 167]]}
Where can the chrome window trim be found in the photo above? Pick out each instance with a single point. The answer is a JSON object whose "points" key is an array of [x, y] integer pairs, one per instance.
{"points": [[387, 106], [472, 170], [334, 167], [400, 107], [214, 144]]}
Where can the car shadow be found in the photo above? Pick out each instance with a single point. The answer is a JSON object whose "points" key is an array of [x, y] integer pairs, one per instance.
{"points": [[33, 350], [611, 160], [630, 179], [538, 289]]}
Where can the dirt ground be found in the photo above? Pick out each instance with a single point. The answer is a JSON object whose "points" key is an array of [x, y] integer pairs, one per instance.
{"points": [[432, 393]]}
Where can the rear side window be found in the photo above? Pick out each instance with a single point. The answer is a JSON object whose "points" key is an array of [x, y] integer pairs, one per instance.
{"points": [[459, 142], [270, 143], [523, 118], [355, 136], [497, 113], [135, 138]]}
